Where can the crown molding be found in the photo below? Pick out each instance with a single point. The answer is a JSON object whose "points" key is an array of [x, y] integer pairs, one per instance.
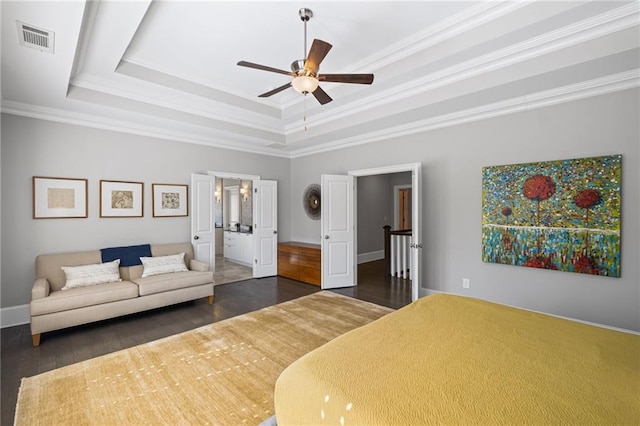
{"points": [[103, 85], [172, 74], [455, 25], [596, 87], [102, 123]]}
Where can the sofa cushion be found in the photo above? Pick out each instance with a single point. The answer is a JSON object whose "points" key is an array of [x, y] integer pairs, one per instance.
{"points": [[86, 275], [166, 282], [163, 264], [74, 298]]}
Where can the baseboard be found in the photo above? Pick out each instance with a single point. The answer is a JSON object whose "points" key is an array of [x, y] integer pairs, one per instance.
{"points": [[371, 256], [422, 292], [14, 315]]}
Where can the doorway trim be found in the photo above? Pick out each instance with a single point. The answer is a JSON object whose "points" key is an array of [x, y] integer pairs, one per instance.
{"points": [[233, 175], [416, 212]]}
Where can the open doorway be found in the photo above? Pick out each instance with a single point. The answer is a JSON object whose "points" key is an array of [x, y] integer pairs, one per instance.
{"points": [[233, 213], [383, 200]]}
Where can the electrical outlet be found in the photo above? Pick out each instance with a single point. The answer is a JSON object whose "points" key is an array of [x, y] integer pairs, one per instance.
{"points": [[465, 283]]}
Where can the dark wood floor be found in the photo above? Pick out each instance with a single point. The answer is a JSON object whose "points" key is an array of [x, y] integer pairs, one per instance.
{"points": [[59, 348]]}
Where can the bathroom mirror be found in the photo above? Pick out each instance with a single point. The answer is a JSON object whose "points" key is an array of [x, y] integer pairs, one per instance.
{"points": [[231, 206]]}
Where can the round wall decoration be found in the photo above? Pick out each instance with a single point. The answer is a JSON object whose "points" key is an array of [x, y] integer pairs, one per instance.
{"points": [[311, 201]]}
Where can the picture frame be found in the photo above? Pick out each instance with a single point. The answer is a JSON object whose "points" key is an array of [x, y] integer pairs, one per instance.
{"points": [[59, 198], [170, 200], [121, 198]]}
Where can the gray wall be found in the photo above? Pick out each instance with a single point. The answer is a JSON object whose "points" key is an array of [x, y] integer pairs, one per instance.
{"points": [[32, 147], [452, 160]]}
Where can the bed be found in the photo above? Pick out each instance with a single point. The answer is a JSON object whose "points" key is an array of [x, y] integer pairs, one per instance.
{"points": [[448, 359]]}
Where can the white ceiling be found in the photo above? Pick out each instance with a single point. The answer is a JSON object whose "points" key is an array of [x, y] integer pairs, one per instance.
{"points": [[168, 69]]}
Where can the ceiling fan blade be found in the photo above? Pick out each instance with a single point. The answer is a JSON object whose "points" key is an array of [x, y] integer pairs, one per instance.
{"points": [[322, 96], [264, 68], [318, 51], [276, 90], [347, 78]]}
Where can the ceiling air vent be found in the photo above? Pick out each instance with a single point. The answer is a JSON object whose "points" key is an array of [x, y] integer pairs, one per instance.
{"points": [[34, 37]]}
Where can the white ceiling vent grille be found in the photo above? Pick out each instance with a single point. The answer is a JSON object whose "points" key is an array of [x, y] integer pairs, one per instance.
{"points": [[34, 37]]}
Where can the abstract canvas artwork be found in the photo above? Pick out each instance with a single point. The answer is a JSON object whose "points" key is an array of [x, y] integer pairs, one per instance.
{"points": [[561, 215]]}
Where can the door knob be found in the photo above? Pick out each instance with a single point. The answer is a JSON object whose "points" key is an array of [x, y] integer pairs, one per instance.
{"points": [[326, 237], [196, 238], [275, 232]]}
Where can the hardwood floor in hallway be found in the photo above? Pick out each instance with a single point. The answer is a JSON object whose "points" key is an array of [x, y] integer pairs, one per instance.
{"points": [[376, 287], [63, 347]]}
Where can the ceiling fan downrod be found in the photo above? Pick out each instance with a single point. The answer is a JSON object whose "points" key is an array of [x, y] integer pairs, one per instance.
{"points": [[305, 14]]}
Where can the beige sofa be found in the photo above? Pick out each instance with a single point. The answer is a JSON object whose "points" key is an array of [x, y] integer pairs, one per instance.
{"points": [[53, 308]]}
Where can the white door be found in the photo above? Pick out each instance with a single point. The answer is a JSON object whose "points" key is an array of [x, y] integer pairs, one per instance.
{"points": [[338, 231], [265, 228], [202, 221]]}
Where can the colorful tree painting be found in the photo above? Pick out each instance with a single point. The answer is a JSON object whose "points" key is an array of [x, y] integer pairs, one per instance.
{"points": [[573, 225]]}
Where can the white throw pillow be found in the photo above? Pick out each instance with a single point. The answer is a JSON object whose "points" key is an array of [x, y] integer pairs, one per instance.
{"points": [[86, 275], [163, 264]]}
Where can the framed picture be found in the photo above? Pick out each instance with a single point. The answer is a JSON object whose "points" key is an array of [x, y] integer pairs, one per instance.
{"points": [[121, 199], [170, 200], [59, 198]]}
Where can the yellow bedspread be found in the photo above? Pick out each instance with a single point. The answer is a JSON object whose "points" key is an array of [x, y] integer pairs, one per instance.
{"points": [[454, 360]]}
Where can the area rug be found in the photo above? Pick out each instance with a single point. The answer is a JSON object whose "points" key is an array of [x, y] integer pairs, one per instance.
{"points": [[219, 374]]}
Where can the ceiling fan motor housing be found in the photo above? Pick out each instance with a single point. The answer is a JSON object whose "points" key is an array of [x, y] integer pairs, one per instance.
{"points": [[298, 68]]}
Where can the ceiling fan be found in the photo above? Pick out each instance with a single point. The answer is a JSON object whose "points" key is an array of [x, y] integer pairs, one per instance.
{"points": [[305, 71]]}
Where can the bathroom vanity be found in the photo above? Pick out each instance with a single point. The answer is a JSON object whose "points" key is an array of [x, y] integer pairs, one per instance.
{"points": [[238, 247]]}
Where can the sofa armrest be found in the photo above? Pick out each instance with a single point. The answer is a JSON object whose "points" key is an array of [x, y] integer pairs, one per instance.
{"points": [[196, 265], [40, 289]]}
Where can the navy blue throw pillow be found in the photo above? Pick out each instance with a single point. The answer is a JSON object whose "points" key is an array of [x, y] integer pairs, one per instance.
{"points": [[129, 255]]}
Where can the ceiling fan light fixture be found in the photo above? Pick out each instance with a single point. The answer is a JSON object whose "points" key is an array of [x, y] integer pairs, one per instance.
{"points": [[305, 84]]}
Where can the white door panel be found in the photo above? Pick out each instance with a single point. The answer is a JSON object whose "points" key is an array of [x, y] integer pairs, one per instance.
{"points": [[265, 229], [202, 220], [338, 255], [338, 231]]}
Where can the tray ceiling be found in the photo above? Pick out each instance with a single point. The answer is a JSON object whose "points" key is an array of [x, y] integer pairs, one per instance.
{"points": [[168, 69]]}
